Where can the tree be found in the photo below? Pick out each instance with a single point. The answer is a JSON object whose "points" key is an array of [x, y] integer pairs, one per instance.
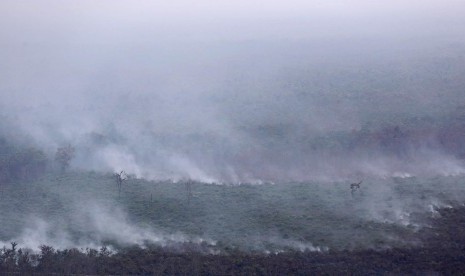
{"points": [[63, 156], [188, 184], [28, 164], [22, 164], [120, 178]]}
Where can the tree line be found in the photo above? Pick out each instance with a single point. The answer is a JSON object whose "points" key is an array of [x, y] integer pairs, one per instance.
{"points": [[19, 163], [137, 261]]}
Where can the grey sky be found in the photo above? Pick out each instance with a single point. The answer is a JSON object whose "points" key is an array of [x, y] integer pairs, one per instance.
{"points": [[62, 45]]}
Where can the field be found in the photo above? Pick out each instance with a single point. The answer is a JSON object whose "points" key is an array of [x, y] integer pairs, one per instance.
{"points": [[86, 210]]}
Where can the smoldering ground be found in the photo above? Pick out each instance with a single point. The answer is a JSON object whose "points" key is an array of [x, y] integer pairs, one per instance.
{"points": [[85, 210]]}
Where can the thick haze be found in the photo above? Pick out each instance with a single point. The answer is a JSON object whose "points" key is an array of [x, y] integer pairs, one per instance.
{"points": [[228, 90]]}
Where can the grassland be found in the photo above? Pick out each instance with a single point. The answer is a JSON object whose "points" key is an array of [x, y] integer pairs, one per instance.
{"points": [[86, 209]]}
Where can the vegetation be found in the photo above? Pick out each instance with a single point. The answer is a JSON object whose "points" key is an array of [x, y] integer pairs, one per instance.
{"points": [[120, 178], [443, 252], [63, 156], [20, 164]]}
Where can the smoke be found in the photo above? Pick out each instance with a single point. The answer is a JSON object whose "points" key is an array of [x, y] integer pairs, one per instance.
{"points": [[92, 225], [86, 210], [232, 92], [304, 95]]}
